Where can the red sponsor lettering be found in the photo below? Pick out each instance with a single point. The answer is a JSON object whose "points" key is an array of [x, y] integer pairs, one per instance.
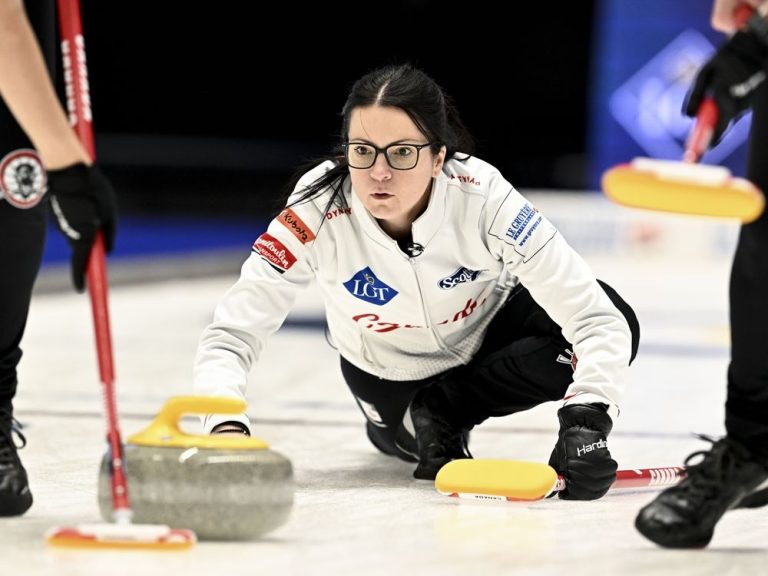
{"points": [[338, 212], [376, 324], [469, 307], [465, 179], [273, 251], [296, 225]]}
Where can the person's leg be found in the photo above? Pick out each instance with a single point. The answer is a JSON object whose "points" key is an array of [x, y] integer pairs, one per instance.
{"points": [[22, 237], [524, 361], [734, 472], [746, 408], [23, 218], [383, 402]]}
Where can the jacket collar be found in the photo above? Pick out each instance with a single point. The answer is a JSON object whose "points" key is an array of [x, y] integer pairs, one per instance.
{"points": [[424, 228]]}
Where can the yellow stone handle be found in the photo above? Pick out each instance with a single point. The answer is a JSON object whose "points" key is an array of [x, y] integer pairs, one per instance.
{"points": [[164, 430]]}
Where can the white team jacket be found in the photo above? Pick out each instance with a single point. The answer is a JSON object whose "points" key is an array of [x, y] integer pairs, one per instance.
{"points": [[408, 318]]}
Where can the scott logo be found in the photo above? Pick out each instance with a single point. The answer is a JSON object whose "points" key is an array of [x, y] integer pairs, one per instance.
{"points": [[461, 275], [365, 286]]}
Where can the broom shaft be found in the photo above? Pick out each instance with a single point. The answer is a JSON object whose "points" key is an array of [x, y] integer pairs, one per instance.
{"points": [[708, 114], [81, 118], [640, 477]]}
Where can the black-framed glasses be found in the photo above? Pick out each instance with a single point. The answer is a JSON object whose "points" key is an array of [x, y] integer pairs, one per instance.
{"points": [[399, 156]]}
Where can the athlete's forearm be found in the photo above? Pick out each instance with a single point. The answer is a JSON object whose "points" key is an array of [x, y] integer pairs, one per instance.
{"points": [[27, 90]]}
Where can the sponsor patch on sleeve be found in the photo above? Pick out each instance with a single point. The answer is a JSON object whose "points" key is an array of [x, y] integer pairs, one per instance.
{"points": [[23, 181], [296, 225], [273, 251], [524, 224], [520, 224]]}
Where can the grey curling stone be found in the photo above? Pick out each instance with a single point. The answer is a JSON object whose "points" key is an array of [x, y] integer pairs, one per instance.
{"points": [[220, 492]]}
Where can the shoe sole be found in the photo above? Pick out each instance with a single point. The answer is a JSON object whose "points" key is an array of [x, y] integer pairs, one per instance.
{"points": [[670, 537]]}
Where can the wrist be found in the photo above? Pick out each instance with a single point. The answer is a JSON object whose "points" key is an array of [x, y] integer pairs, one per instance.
{"points": [[63, 151], [592, 416], [231, 427]]}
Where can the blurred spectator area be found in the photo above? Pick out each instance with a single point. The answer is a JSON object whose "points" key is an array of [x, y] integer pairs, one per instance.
{"points": [[203, 112], [208, 109]]}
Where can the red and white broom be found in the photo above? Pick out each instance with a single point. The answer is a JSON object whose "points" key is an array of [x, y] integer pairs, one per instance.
{"points": [[516, 480], [686, 187], [123, 533]]}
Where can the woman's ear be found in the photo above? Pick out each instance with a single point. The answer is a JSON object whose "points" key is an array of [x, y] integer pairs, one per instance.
{"points": [[439, 161]]}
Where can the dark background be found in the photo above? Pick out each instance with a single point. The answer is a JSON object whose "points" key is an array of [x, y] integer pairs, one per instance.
{"points": [[210, 108]]}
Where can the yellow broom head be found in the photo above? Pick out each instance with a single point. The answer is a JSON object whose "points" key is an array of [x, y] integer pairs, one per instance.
{"points": [[683, 188]]}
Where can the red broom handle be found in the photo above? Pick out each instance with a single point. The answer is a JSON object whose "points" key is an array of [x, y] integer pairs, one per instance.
{"points": [[640, 477], [76, 73], [702, 131], [708, 114], [81, 119]]}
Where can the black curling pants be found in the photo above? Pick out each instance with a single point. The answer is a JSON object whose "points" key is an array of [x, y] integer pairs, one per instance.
{"points": [[22, 237], [746, 408], [23, 217], [524, 361]]}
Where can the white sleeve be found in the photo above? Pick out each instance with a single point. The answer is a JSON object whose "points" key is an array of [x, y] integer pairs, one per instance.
{"points": [[254, 308], [562, 283]]}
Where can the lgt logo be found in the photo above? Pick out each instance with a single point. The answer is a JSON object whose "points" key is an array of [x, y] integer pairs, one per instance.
{"points": [[366, 286]]}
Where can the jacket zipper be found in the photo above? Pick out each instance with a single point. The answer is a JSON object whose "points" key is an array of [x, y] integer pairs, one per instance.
{"points": [[425, 311]]}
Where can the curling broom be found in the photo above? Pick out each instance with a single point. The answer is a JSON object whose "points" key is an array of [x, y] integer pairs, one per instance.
{"points": [[687, 187], [515, 480], [122, 534]]}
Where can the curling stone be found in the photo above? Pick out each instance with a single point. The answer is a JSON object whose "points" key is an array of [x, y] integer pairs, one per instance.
{"points": [[222, 487]]}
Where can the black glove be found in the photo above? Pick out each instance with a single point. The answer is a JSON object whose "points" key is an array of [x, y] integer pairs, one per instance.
{"points": [[731, 78], [581, 454], [83, 201]]}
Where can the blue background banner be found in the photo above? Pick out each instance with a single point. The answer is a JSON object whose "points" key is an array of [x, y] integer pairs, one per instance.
{"points": [[645, 58]]}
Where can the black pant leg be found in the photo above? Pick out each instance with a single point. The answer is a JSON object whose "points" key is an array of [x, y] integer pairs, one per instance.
{"points": [[22, 238], [746, 409], [383, 402], [515, 369], [23, 216], [524, 361]]}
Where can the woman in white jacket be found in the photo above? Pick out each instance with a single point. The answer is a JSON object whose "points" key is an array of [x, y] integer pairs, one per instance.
{"points": [[449, 296]]}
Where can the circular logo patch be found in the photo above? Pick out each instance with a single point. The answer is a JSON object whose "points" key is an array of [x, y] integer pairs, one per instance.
{"points": [[23, 182]]}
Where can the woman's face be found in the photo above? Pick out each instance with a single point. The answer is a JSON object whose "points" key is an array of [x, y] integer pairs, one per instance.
{"points": [[394, 197]]}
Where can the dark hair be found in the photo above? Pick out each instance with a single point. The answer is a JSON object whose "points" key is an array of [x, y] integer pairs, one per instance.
{"points": [[400, 86]]}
